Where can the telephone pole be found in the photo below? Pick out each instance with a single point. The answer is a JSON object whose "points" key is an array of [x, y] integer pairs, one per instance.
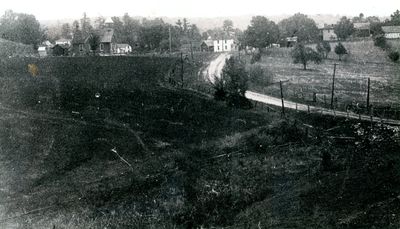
{"points": [[170, 39], [368, 95], [333, 84], [283, 105]]}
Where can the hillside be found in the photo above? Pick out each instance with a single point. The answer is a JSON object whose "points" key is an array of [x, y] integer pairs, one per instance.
{"points": [[141, 153], [10, 48]]}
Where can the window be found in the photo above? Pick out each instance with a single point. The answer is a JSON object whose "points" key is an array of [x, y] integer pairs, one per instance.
{"points": [[101, 47], [225, 41], [81, 47], [217, 41], [226, 47]]}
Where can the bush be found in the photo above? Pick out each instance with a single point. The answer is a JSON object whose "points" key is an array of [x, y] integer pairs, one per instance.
{"points": [[256, 57], [219, 86], [340, 50], [259, 75], [380, 41], [394, 56]]}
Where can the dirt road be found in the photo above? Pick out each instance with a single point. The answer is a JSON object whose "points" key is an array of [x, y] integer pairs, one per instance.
{"points": [[215, 68]]}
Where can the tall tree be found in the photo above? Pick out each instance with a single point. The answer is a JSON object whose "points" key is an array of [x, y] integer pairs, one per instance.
{"points": [[227, 26], [21, 27], [395, 18], [99, 22], [86, 26], [344, 28], [300, 26], [261, 32], [66, 31], [302, 55], [94, 42], [185, 25]]}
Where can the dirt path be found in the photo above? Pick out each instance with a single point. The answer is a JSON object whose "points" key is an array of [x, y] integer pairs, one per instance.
{"points": [[215, 68]]}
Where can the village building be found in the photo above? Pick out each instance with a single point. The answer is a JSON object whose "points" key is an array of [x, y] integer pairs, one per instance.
{"points": [[207, 46], [327, 33], [225, 45], [362, 29], [63, 41], [42, 50], [391, 32], [122, 49], [79, 45], [59, 50]]}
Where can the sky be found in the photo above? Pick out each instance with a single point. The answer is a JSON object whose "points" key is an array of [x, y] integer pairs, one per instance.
{"points": [[52, 10]]}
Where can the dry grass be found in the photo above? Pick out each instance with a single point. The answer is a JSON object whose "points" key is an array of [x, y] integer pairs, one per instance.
{"points": [[365, 61]]}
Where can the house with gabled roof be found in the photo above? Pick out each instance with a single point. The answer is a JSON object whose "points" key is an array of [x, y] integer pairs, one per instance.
{"points": [[107, 41], [362, 29], [391, 32]]}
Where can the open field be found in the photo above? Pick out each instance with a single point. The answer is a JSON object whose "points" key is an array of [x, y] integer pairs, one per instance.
{"points": [[351, 78], [149, 155]]}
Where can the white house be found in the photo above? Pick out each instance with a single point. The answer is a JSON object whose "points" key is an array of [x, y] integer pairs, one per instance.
{"points": [[63, 41], [327, 33], [391, 32], [122, 49], [226, 45], [42, 50]]}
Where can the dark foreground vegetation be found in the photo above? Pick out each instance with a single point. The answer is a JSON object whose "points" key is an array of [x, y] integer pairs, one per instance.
{"points": [[143, 154]]}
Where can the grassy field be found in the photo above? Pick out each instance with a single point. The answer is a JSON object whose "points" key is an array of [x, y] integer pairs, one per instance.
{"points": [[364, 61], [158, 156]]}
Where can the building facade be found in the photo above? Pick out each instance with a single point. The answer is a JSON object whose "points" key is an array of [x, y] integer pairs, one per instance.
{"points": [[327, 33], [225, 45], [391, 32]]}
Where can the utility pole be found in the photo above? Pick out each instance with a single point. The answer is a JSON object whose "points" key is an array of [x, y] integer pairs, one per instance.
{"points": [[283, 105], [191, 49], [170, 39], [333, 84], [368, 94], [182, 69]]}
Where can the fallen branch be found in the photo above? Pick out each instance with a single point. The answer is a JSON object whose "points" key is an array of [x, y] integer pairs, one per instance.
{"points": [[121, 158]]}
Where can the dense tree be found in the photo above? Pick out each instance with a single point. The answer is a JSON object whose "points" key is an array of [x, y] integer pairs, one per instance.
{"points": [[66, 31], [227, 26], [99, 23], [300, 26], [327, 48], [344, 28], [395, 18], [21, 27], [86, 26], [303, 55], [261, 32], [340, 50], [131, 29], [94, 42], [235, 80]]}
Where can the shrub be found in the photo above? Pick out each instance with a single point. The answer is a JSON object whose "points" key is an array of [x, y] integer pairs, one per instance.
{"points": [[219, 86], [259, 75], [256, 57], [394, 56], [340, 50], [380, 41]]}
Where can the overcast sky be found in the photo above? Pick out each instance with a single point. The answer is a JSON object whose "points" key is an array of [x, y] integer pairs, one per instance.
{"points": [[51, 9]]}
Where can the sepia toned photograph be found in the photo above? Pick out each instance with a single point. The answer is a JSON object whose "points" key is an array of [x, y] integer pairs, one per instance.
{"points": [[181, 114]]}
